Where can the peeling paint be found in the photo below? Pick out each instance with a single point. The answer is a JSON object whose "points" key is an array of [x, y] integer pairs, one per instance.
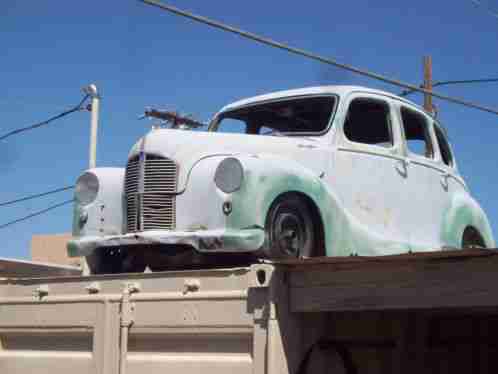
{"points": [[366, 205]]}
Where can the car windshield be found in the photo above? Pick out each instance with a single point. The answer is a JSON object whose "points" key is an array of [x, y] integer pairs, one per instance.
{"points": [[298, 116]]}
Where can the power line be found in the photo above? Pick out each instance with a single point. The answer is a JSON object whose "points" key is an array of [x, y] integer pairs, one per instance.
{"points": [[35, 214], [302, 52], [445, 83], [46, 122], [36, 196]]}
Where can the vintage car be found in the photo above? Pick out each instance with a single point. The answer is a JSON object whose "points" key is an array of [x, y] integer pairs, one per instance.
{"points": [[333, 170]]}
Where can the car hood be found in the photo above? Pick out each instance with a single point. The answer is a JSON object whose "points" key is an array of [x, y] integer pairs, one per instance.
{"points": [[187, 147]]}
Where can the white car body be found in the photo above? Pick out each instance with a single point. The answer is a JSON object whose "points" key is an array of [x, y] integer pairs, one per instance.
{"points": [[371, 199]]}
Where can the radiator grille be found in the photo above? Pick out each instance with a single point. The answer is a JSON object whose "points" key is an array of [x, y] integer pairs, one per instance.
{"points": [[155, 207]]}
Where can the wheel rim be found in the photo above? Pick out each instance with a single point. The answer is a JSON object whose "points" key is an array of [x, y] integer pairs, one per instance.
{"points": [[289, 233]]}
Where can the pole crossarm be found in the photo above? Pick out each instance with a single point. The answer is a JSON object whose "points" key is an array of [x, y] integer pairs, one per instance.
{"points": [[304, 53]]}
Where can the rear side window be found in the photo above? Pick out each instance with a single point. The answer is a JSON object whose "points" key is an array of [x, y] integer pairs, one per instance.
{"points": [[368, 121], [444, 147], [417, 134]]}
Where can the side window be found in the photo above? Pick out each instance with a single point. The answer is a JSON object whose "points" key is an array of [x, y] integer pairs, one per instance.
{"points": [[368, 121], [417, 134], [444, 146], [232, 125]]}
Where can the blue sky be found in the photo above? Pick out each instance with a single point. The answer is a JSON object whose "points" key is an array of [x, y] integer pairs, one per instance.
{"points": [[140, 56]]}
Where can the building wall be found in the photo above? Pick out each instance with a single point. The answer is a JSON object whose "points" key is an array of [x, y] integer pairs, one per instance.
{"points": [[52, 249]]}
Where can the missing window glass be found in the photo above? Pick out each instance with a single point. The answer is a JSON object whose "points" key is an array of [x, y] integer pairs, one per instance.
{"points": [[309, 115], [417, 134], [444, 147], [368, 121]]}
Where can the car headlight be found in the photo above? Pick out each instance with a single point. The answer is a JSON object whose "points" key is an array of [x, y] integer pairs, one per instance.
{"points": [[229, 175], [87, 188]]}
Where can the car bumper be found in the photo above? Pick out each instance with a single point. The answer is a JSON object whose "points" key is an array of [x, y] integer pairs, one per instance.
{"points": [[236, 241]]}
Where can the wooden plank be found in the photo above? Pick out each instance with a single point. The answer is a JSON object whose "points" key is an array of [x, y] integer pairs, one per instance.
{"points": [[426, 281]]}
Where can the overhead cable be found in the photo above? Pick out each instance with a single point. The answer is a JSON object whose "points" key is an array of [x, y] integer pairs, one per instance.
{"points": [[304, 53], [36, 214], [46, 122], [445, 83], [36, 196]]}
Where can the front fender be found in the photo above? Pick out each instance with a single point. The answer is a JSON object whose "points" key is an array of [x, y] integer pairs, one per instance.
{"points": [[461, 213], [104, 216], [266, 177]]}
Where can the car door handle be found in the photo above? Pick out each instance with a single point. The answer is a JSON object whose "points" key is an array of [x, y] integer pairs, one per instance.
{"points": [[402, 167], [444, 180], [308, 146]]}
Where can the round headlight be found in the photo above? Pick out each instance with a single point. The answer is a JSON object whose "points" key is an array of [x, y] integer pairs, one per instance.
{"points": [[87, 188], [229, 175]]}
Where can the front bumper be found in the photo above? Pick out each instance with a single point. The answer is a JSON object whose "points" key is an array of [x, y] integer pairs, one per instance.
{"points": [[235, 241]]}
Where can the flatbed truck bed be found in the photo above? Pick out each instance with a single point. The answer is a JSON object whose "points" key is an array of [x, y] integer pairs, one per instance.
{"points": [[434, 312]]}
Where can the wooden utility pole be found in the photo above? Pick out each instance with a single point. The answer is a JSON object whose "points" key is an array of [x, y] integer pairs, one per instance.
{"points": [[428, 83]]}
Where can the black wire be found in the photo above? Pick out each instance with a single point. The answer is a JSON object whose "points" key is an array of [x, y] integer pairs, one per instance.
{"points": [[46, 122], [35, 196], [312, 56], [446, 83], [35, 214]]}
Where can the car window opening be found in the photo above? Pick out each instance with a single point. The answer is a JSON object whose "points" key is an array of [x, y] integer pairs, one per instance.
{"points": [[416, 131], [369, 122], [301, 116], [444, 147]]}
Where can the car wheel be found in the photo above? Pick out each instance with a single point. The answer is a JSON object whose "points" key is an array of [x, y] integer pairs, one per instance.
{"points": [[289, 229]]}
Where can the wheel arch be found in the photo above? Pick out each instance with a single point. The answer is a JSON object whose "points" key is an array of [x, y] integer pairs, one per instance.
{"points": [[316, 215], [465, 214], [269, 177], [472, 236]]}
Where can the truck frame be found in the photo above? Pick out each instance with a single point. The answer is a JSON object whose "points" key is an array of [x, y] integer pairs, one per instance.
{"points": [[426, 312]]}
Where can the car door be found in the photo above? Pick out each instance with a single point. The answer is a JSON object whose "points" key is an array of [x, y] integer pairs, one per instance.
{"points": [[427, 179], [451, 181], [369, 175]]}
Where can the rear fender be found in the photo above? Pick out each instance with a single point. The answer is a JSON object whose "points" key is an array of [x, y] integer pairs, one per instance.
{"points": [[463, 212]]}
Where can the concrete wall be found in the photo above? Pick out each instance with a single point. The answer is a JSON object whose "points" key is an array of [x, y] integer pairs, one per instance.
{"points": [[52, 249]]}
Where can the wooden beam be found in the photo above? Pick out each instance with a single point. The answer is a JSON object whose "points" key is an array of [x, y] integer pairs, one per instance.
{"points": [[446, 280]]}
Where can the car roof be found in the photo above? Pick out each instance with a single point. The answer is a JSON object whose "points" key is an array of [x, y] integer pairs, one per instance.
{"points": [[317, 90]]}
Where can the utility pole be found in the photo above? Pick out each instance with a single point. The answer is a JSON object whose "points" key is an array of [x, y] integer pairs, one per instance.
{"points": [[91, 90], [427, 62]]}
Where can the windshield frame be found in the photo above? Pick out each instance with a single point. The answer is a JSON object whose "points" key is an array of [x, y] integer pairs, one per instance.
{"points": [[213, 125]]}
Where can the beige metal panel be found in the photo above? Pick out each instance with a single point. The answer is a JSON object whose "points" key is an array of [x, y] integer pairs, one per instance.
{"points": [[180, 313], [58, 335], [24, 362], [232, 279], [173, 322], [186, 364], [190, 352], [48, 315]]}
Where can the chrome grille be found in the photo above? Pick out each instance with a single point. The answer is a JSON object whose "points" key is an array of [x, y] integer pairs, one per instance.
{"points": [[155, 207]]}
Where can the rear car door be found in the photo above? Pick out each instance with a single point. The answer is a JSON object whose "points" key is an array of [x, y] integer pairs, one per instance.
{"points": [[427, 180]]}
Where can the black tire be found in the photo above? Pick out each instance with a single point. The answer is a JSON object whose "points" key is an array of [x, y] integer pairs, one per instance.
{"points": [[115, 261], [289, 229]]}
